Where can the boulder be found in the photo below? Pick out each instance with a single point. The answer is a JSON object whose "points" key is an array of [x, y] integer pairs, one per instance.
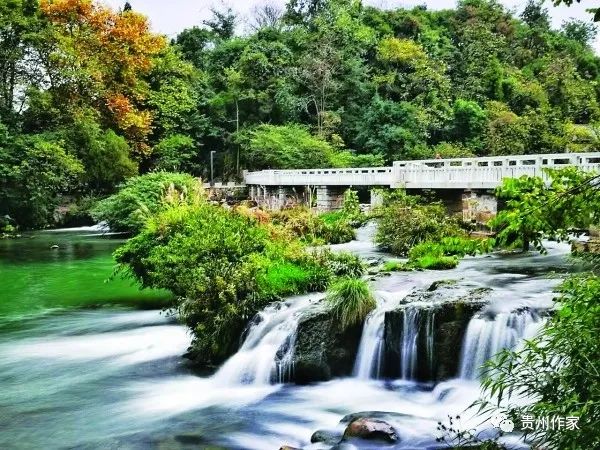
{"points": [[287, 447], [371, 429], [323, 349], [329, 437], [443, 313]]}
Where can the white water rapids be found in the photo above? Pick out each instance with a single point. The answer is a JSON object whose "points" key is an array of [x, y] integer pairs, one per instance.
{"points": [[115, 378]]}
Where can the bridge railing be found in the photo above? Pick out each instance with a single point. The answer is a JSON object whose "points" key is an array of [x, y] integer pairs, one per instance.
{"points": [[365, 176], [460, 173]]}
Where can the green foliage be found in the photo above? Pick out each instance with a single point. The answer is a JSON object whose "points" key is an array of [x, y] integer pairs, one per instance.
{"points": [[556, 371], [535, 210], [329, 228], [433, 262], [404, 223], [350, 300], [223, 267], [284, 147], [142, 196], [176, 153], [345, 265], [104, 154], [33, 174]]}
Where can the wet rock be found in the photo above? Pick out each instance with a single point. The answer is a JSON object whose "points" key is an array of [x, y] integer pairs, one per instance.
{"points": [[371, 429], [384, 415], [329, 437], [444, 311], [323, 349], [54, 247], [287, 447]]}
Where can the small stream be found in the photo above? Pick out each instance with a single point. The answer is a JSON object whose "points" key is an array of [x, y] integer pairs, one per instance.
{"points": [[114, 377]]}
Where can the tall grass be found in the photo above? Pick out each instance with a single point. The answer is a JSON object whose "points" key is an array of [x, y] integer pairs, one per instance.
{"points": [[350, 300]]}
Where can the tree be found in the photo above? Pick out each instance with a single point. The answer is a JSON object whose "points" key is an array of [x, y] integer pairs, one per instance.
{"points": [[580, 31], [268, 15], [177, 153], [284, 147], [102, 57], [35, 173], [535, 210], [222, 24]]}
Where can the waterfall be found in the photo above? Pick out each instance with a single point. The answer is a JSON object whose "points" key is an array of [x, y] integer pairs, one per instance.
{"points": [[370, 351], [430, 329], [267, 353], [410, 334], [369, 359], [487, 336]]}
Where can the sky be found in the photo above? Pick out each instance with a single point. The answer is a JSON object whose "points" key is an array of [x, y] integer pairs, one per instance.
{"points": [[171, 16]]}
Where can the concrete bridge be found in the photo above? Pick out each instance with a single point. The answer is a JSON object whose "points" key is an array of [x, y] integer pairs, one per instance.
{"points": [[464, 184]]}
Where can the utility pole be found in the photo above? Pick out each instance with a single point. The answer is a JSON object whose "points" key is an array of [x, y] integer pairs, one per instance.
{"points": [[212, 172]]}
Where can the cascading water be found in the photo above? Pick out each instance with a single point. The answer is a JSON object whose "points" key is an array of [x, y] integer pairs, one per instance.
{"points": [[410, 334], [369, 359], [268, 351], [485, 337]]}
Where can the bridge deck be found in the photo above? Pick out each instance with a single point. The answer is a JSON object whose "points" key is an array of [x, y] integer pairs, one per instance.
{"points": [[459, 173]]}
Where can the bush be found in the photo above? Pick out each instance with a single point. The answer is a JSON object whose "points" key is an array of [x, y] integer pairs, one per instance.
{"points": [[332, 228], [223, 268], [142, 196], [433, 262], [404, 224], [350, 300], [345, 265]]}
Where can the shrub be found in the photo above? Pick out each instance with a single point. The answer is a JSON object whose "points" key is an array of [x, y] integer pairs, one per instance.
{"points": [[142, 196], [222, 266], [433, 262], [345, 265], [402, 225], [332, 228], [350, 300], [395, 266]]}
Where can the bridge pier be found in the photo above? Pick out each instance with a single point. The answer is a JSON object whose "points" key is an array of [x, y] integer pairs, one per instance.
{"points": [[479, 206], [329, 198], [376, 198]]}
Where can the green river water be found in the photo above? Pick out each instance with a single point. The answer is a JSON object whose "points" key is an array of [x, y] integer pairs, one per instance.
{"points": [[36, 278]]}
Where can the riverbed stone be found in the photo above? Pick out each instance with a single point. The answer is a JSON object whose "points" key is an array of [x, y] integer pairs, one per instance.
{"points": [[371, 429], [323, 349], [329, 437], [446, 307]]}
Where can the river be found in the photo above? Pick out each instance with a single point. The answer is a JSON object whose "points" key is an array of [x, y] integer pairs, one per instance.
{"points": [[113, 377]]}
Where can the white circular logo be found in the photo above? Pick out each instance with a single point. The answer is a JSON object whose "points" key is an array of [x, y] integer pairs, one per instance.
{"points": [[503, 422]]}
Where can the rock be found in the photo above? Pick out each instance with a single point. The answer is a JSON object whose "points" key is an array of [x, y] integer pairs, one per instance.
{"points": [[329, 437], [323, 349], [590, 246], [383, 415], [444, 312], [287, 447], [54, 247], [371, 429]]}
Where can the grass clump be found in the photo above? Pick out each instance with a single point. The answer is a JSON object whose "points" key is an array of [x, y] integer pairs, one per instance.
{"points": [[395, 266], [433, 262], [350, 300], [141, 197]]}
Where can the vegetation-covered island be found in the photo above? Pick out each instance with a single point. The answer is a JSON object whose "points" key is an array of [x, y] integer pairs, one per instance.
{"points": [[151, 299]]}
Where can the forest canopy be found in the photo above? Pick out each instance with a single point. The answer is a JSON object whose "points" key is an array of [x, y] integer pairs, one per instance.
{"points": [[338, 82]]}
